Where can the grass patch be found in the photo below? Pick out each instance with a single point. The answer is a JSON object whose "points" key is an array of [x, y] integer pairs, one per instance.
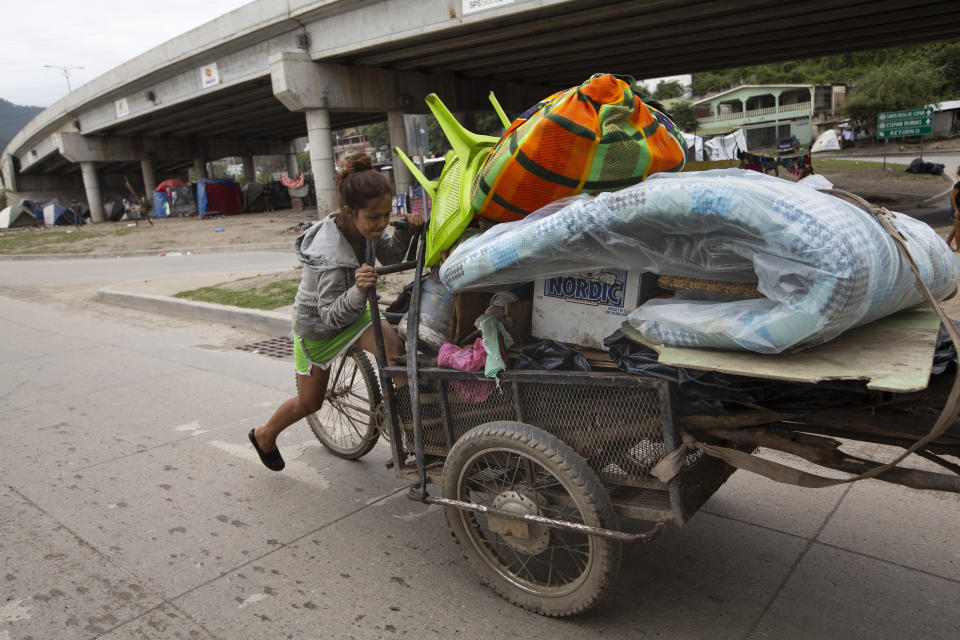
{"points": [[269, 296], [866, 169], [34, 242]]}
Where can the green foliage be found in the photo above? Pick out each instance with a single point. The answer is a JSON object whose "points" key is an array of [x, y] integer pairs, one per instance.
{"points": [[378, 134], [840, 69], [682, 113], [892, 87], [640, 90], [303, 162], [668, 89]]}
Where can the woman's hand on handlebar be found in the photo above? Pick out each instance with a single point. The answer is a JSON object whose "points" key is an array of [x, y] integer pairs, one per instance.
{"points": [[415, 221], [366, 277]]}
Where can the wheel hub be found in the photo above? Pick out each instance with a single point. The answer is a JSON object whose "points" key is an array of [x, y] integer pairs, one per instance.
{"points": [[529, 537]]}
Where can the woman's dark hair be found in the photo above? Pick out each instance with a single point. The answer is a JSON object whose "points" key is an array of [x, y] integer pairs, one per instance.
{"points": [[358, 183]]}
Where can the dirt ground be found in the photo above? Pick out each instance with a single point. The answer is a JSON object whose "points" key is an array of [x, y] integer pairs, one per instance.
{"points": [[892, 189], [168, 234]]}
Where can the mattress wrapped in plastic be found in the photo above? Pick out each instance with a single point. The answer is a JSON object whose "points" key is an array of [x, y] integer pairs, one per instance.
{"points": [[823, 265]]}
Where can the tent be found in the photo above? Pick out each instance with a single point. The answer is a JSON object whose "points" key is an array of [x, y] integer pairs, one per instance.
{"points": [[56, 213], [168, 184], [181, 196], [827, 141], [16, 216], [254, 201], [694, 147], [726, 147], [218, 195]]}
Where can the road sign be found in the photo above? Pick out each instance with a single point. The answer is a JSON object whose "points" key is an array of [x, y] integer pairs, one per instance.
{"points": [[912, 122]]}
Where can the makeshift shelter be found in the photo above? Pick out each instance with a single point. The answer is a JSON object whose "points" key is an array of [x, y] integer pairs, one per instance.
{"points": [[694, 147], [16, 215], [113, 210], [56, 213], [726, 147], [827, 141], [218, 195], [168, 184], [254, 201]]}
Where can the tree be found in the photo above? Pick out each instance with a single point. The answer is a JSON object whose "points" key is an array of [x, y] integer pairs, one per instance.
{"points": [[893, 87], [668, 89], [378, 134], [682, 114], [640, 90]]}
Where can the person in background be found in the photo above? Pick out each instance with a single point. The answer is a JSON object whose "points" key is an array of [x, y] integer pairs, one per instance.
{"points": [[267, 197], [75, 211], [38, 216], [954, 236], [330, 312]]}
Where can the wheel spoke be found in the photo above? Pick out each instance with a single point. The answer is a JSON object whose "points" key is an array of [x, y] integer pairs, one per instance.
{"points": [[524, 470]]}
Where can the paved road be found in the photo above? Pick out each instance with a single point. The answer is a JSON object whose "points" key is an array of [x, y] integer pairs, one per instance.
{"points": [[950, 159], [132, 506]]}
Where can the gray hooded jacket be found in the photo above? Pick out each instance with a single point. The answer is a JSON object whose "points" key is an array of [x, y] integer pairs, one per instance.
{"points": [[328, 298]]}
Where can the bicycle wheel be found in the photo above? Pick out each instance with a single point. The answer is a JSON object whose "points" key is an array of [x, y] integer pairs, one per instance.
{"points": [[348, 423], [519, 468]]}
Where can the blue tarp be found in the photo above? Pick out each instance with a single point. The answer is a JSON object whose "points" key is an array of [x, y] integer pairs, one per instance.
{"points": [[159, 200], [54, 212]]}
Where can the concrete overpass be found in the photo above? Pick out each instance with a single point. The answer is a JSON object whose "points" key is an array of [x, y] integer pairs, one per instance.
{"points": [[253, 80]]}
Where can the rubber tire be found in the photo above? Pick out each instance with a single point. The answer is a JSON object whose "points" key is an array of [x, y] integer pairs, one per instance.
{"points": [[580, 483], [370, 438]]}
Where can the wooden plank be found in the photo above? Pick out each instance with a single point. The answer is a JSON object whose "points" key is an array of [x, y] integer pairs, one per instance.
{"points": [[892, 354]]}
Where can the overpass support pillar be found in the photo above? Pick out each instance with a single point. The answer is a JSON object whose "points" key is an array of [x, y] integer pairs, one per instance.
{"points": [[149, 177], [200, 168], [292, 169], [249, 168], [9, 174], [91, 184], [398, 138], [321, 159]]}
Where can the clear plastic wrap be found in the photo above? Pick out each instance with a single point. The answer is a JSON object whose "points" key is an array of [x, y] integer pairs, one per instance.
{"points": [[822, 264]]}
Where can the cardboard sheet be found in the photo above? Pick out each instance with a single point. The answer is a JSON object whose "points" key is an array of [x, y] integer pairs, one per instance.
{"points": [[892, 354]]}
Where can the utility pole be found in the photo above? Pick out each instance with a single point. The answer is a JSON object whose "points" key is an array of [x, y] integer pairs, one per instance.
{"points": [[65, 71]]}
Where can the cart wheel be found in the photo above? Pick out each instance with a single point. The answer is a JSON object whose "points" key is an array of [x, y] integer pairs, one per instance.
{"points": [[348, 423], [517, 467]]}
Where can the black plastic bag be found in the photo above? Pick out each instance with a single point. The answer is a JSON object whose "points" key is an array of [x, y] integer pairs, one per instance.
{"points": [[551, 355]]}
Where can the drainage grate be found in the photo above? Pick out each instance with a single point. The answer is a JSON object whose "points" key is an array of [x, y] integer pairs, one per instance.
{"points": [[274, 347]]}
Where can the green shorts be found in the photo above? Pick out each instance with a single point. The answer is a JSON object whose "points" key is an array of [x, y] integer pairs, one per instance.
{"points": [[307, 352]]}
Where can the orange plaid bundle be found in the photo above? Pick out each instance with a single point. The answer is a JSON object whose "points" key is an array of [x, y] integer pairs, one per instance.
{"points": [[596, 137]]}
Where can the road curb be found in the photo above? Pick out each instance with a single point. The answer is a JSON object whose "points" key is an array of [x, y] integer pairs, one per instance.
{"points": [[230, 248], [268, 322]]}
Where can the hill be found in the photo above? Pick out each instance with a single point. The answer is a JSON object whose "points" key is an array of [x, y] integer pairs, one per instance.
{"points": [[840, 69], [14, 117]]}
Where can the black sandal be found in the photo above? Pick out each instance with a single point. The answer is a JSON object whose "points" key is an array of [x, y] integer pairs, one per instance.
{"points": [[271, 460]]}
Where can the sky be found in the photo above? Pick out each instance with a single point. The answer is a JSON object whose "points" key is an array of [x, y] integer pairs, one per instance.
{"points": [[97, 35]]}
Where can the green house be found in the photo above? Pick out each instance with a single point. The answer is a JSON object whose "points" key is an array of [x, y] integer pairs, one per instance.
{"points": [[770, 111]]}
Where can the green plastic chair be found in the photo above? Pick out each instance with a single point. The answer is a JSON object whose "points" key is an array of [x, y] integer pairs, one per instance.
{"points": [[452, 210]]}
